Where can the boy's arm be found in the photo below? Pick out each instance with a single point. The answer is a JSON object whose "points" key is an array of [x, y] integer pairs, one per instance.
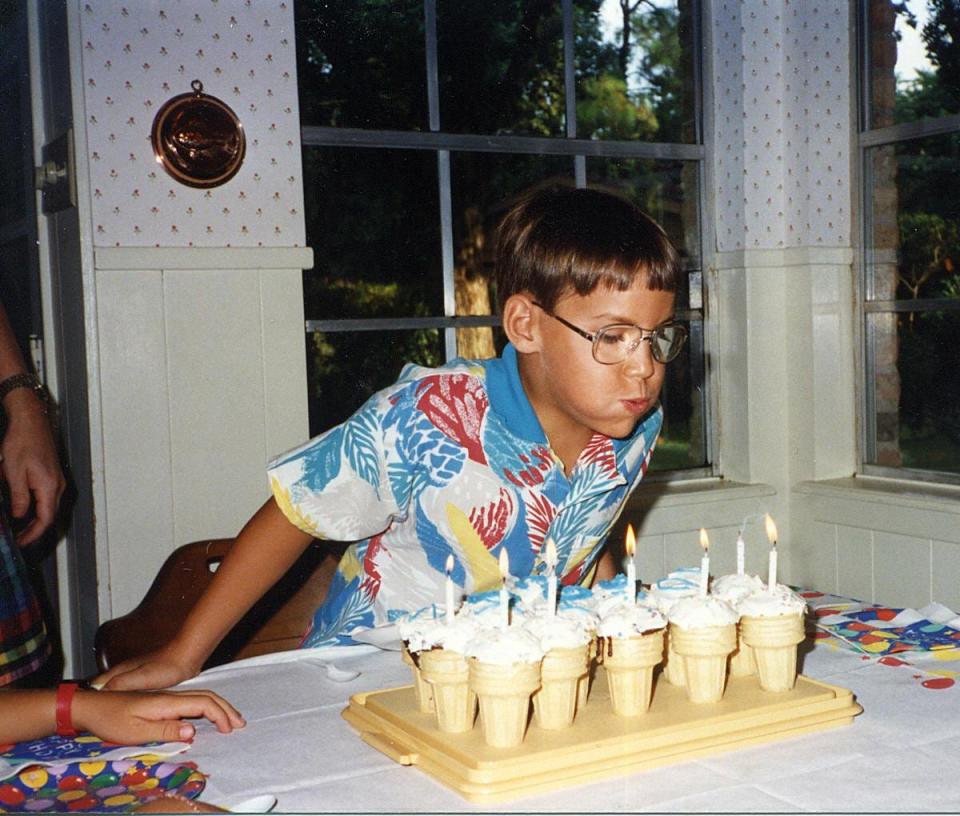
{"points": [[606, 569], [265, 549]]}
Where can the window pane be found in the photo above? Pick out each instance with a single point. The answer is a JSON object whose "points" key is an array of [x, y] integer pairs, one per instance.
{"points": [[373, 222], [914, 72], [638, 86], [361, 63], [345, 368], [482, 184], [916, 389], [682, 442], [666, 191], [501, 67], [915, 225]]}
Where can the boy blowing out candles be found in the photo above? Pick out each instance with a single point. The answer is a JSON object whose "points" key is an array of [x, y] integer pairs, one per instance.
{"points": [[477, 456]]}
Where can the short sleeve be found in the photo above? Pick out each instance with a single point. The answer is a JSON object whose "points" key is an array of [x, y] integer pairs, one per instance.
{"points": [[336, 485]]}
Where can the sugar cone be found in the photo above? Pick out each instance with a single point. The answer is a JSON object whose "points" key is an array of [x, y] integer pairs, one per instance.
{"points": [[673, 669], [503, 692], [555, 704], [742, 661], [629, 663], [704, 652], [774, 641], [448, 674], [421, 690], [584, 683]]}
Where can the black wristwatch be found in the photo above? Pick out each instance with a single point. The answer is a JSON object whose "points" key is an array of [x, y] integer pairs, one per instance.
{"points": [[25, 381]]}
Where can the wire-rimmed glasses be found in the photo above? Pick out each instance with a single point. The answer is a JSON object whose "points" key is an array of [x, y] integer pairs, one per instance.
{"points": [[614, 343]]}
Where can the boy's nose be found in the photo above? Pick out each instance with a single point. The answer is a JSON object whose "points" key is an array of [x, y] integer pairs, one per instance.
{"points": [[640, 362]]}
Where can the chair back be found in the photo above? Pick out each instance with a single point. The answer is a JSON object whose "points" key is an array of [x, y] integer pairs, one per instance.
{"points": [[277, 622]]}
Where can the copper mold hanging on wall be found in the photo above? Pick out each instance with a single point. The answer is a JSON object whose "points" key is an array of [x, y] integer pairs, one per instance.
{"points": [[198, 139]]}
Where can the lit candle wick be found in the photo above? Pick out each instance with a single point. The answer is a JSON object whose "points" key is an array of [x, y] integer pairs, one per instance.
{"points": [[630, 546]]}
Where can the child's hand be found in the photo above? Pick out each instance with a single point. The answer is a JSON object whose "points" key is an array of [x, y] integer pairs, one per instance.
{"points": [[155, 670], [133, 717]]}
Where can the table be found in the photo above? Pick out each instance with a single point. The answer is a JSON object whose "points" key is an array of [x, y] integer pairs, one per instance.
{"points": [[899, 755]]}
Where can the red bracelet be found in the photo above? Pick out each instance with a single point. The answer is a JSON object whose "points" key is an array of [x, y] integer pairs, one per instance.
{"points": [[65, 692]]}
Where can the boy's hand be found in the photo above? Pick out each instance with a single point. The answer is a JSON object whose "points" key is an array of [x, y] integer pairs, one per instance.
{"points": [[133, 717], [154, 670]]}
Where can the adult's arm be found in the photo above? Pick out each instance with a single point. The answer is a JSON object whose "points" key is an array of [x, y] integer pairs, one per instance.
{"points": [[30, 464]]}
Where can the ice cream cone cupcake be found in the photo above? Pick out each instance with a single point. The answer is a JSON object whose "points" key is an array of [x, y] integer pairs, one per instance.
{"points": [[504, 673], [578, 604], [703, 633], [733, 589], [772, 625], [631, 646], [448, 675], [421, 689], [423, 630], [444, 669], [666, 592], [566, 647]]}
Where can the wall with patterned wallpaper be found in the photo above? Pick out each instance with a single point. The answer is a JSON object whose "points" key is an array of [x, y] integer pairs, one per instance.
{"points": [[781, 124], [139, 53]]}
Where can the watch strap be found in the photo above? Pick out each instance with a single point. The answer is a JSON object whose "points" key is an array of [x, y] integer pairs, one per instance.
{"points": [[64, 711]]}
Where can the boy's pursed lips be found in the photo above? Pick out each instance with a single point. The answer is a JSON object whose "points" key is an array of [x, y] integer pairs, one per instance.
{"points": [[638, 405]]}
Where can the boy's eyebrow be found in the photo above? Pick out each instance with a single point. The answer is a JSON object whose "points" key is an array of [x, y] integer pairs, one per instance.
{"points": [[617, 318]]}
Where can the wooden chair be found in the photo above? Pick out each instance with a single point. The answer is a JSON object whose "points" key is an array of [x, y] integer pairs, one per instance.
{"points": [[275, 623]]}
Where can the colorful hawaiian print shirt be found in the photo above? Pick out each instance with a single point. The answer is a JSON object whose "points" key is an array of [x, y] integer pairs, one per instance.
{"points": [[449, 460]]}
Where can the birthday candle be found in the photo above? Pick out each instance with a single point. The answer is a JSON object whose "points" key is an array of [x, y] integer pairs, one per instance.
{"points": [[772, 566], [739, 552], [630, 545], [504, 598], [449, 595], [704, 562], [550, 559]]}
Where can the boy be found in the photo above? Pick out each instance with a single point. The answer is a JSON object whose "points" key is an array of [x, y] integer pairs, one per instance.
{"points": [[475, 456]]}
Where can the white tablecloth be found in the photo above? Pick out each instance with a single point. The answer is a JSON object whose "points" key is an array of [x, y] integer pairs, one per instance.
{"points": [[899, 755]]}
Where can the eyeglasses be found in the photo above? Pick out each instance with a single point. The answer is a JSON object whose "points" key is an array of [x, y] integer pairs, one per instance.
{"points": [[614, 343]]}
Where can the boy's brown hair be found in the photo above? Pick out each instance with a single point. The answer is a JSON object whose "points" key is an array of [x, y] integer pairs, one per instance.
{"points": [[559, 239]]}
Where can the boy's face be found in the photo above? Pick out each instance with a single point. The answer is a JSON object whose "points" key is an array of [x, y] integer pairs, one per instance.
{"points": [[574, 395]]}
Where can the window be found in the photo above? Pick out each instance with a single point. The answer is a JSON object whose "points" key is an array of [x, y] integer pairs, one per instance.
{"points": [[422, 117], [910, 160]]}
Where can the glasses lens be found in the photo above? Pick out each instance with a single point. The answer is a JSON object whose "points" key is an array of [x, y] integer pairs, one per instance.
{"points": [[614, 343], [667, 341]]}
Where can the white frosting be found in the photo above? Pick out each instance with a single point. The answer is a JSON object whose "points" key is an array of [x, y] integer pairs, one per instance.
{"points": [[734, 588], [483, 607], [699, 612], [555, 632], [587, 618], [764, 604], [628, 620], [428, 634], [530, 592], [667, 591], [505, 646]]}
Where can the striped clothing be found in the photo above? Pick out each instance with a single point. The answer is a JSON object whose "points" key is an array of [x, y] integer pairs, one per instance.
{"points": [[23, 636]]}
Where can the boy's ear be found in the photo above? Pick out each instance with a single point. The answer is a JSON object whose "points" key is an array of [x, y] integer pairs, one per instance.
{"points": [[521, 323]]}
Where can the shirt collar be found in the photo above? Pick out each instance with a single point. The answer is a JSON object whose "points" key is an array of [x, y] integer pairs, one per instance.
{"points": [[508, 399]]}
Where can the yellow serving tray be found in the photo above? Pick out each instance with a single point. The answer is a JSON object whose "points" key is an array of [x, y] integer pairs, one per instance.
{"points": [[599, 744]]}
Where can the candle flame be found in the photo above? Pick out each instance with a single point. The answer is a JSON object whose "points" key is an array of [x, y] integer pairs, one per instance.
{"points": [[630, 544], [704, 540], [771, 530], [449, 563], [550, 557], [504, 561]]}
